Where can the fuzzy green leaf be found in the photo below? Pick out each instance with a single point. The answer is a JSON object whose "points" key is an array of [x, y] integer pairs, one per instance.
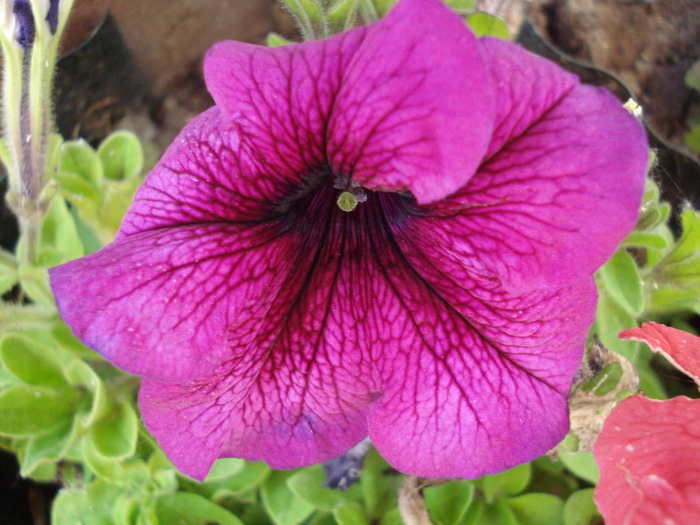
{"points": [[33, 410], [114, 435], [484, 24], [121, 155], [581, 464], [308, 482], [275, 40], [283, 506], [620, 276], [689, 243], [185, 508], [31, 361], [46, 449], [536, 509], [580, 509], [510, 482], [78, 157], [379, 490], [448, 503], [349, 513], [79, 373]]}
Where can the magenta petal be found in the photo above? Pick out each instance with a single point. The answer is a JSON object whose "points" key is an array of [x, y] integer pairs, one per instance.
{"points": [[390, 105], [560, 186], [416, 107], [279, 100], [480, 378], [165, 300]]}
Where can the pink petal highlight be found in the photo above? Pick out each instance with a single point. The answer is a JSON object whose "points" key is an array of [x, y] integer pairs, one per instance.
{"points": [[649, 458], [560, 186], [480, 380], [679, 347], [406, 116]]}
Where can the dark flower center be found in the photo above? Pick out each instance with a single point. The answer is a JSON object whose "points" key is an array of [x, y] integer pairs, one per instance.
{"points": [[318, 206]]}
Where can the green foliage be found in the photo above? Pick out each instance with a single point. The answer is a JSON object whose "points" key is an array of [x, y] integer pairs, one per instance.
{"points": [[580, 509], [71, 417], [692, 80], [101, 184], [484, 24]]}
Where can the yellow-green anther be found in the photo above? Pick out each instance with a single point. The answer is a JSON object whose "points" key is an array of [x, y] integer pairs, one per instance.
{"points": [[347, 201]]}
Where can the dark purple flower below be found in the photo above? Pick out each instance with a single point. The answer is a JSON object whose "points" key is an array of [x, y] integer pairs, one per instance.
{"points": [[444, 316]]}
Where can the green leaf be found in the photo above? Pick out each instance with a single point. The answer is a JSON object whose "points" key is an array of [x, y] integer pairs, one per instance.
{"points": [[605, 381], [65, 340], [689, 243], [109, 470], [611, 318], [283, 506], [499, 513], [582, 465], [77, 190], [91, 506], [251, 475], [114, 435], [225, 468], [78, 157], [484, 24], [34, 410], [448, 503], [121, 155], [510, 482], [58, 231], [35, 282], [349, 513], [79, 373], [9, 271], [692, 76], [461, 7], [48, 448], [580, 509], [275, 40], [692, 138], [645, 240], [31, 361], [185, 508], [73, 506], [620, 275], [536, 509], [308, 482], [342, 15], [379, 490]]}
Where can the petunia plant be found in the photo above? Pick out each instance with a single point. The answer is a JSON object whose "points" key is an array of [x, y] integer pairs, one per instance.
{"points": [[393, 231]]}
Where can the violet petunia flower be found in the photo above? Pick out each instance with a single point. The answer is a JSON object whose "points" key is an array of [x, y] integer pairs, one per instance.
{"points": [[444, 316]]}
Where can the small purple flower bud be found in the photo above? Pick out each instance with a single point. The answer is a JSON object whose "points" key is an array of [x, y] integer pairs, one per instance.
{"points": [[25, 23]]}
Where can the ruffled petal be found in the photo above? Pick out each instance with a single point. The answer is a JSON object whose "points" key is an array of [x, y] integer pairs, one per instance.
{"points": [[416, 107], [193, 253], [280, 99], [209, 174], [478, 379], [160, 304], [392, 105], [299, 387], [560, 186]]}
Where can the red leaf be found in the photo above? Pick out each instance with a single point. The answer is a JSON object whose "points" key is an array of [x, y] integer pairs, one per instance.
{"points": [[649, 459], [680, 348]]}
